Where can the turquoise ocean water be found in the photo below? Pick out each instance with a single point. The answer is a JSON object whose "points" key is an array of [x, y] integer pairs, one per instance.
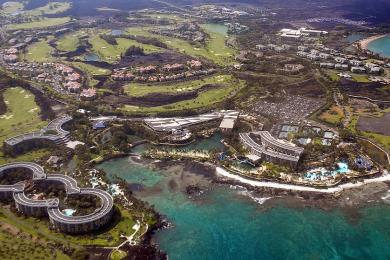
{"points": [[225, 224], [381, 46]]}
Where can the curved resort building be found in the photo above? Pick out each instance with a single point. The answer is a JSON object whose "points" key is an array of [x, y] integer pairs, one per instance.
{"points": [[268, 148], [53, 133], [51, 207]]}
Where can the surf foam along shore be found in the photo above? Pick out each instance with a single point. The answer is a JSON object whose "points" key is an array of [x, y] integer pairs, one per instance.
{"points": [[222, 172], [364, 43]]}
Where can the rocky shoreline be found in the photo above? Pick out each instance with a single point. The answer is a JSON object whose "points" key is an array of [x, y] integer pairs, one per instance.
{"points": [[195, 178]]}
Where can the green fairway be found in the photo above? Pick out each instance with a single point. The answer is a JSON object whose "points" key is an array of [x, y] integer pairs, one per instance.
{"points": [[50, 8], [90, 69], [137, 89], [68, 42], [41, 23], [11, 7], [22, 114], [39, 52], [215, 48], [205, 99], [111, 53]]}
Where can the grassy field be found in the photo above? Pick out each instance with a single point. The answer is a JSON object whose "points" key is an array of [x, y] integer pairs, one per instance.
{"points": [[68, 42], [12, 7], [360, 78], [40, 228], [50, 8], [41, 23], [215, 48], [22, 114], [39, 52], [27, 157], [382, 140], [205, 99], [19, 245], [118, 255], [111, 53], [374, 152], [137, 89], [333, 75], [90, 69], [334, 115]]}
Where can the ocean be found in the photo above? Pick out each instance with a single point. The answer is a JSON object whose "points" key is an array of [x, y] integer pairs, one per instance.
{"points": [[381, 46], [227, 222]]}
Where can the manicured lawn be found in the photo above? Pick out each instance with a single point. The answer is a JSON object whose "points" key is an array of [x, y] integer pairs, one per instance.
{"points": [[22, 114], [360, 78], [147, 48], [41, 23], [90, 69], [39, 52], [204, 99], [118, 255], [111, 53], [137, 89], [334, 115], [68, 42], [12, 7], [40, 228], [27, 157], [215, 48], [50, 8]]}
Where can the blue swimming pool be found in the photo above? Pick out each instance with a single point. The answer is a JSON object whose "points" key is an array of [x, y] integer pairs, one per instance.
{"points": [[321, 173]]}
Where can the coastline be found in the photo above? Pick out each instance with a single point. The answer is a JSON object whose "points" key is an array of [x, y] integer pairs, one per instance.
{"points": [[299, 188], [364, 43]]}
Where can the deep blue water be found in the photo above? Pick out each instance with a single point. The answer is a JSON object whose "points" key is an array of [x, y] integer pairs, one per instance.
{"points": [[381, 46], [225, 224]]}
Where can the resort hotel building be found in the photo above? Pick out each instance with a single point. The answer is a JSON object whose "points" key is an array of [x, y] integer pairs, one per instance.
{"points": [[263, 146]]}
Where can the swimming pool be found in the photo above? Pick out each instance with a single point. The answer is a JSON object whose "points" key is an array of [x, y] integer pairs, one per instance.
{"points": [[322, 173]]}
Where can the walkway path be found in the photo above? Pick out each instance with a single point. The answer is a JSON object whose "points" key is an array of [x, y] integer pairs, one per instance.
{"points": [[222, 172]]}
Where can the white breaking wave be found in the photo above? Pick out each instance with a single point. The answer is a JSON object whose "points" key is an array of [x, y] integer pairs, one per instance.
{"points": [[386, 198], [244, 192], [292, 187]]}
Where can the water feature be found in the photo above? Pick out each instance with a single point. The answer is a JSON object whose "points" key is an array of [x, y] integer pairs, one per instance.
{"points": [[217, 28], [225, 224], [207, 144], [381, 46], [91, 57], [116, 32], [322, 173], [69, 212]]}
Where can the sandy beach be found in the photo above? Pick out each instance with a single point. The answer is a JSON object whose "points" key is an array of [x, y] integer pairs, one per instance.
{"points": [[365, 42]]}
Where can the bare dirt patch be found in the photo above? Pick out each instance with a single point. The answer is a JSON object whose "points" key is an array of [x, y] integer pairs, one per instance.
{"points": [[308, 88], [372, 90], [380, 125]]}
